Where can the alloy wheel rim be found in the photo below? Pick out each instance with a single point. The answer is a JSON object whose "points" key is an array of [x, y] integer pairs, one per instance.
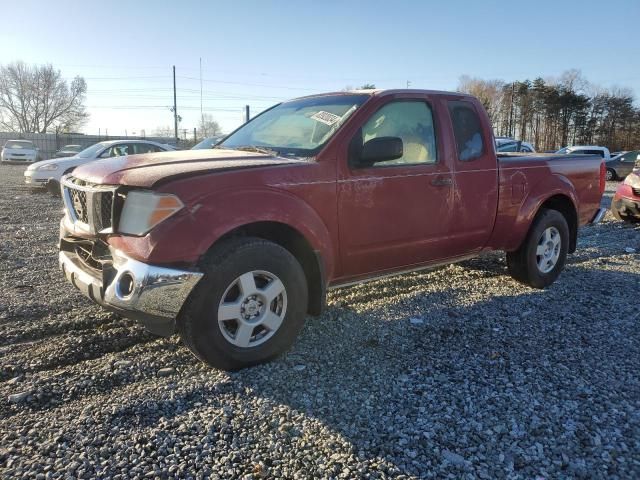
{"points": [[548, 249], [252, 309]]}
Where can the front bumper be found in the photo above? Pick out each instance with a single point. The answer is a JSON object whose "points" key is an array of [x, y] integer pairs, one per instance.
{"points": [[149, 294], [31, 179], [626, 206], [18, 161]]}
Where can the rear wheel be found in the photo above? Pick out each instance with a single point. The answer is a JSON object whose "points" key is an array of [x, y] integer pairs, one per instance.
{"points": [[541, 257], [249, 306], [610, 174]]}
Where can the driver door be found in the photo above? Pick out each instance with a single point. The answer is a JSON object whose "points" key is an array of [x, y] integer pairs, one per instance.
{"points": [[395, 214]]}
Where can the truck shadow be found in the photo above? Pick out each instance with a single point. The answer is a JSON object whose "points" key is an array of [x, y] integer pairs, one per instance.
{"points": [[472, 374]]}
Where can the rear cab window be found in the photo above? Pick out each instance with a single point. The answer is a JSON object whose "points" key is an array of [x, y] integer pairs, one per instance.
{"points": [[467, 130]]}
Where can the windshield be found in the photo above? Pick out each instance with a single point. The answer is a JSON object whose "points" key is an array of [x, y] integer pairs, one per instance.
{"points": [[92, 151], [71, 148], [299, 127], [206, 143], [19, 144]]}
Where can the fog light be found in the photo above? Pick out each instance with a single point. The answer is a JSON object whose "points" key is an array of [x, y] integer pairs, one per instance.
{"points": [[125, 285]]}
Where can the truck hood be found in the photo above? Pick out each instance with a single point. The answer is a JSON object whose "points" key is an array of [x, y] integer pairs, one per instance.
{"points": [[149, 170]]}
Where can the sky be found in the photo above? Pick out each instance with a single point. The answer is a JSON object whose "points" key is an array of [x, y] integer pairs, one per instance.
{"points": [[258, 53]]}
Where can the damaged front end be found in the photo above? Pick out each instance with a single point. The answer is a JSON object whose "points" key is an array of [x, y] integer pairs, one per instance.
{"points": [[150, 294]]}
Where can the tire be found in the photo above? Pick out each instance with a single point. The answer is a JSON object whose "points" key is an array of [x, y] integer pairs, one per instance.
{"points": [[610, 175], [539, 271], [229, 268], [53, 187]]}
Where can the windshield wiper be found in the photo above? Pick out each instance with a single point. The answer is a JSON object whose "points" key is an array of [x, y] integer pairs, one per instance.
{"points": [[251, 148]]}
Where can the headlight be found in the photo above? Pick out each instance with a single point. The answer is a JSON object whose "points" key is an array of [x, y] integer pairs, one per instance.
{"points": [[49, 166], [144, 210]]}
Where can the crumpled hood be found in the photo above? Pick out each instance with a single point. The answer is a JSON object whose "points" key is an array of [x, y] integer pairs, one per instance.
{"points": [[148, 170]]}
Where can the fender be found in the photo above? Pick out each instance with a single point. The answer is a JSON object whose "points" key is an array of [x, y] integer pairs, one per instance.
{"points": [[183, 239], [513, 225]]}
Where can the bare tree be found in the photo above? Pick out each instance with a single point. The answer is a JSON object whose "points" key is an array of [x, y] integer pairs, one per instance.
{"points": [[37, 99], [209, 127], [165, 131], [489, 92]]}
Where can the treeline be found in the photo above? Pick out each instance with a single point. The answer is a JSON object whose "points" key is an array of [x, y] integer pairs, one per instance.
{"points": [[554, 113]]}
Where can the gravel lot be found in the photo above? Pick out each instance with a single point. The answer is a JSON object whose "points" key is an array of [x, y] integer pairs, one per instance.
{"points": [[454, 373]]}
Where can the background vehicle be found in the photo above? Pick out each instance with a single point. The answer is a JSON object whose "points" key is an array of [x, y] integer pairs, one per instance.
{"points": [[626, 202], [603, 152], [506, 144], [69, 151], [233, 245], [207, 142], [619, 166], [19, 151], [49, 172]]}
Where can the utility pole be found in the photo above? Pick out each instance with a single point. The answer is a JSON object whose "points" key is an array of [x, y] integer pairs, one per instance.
{"points": [[408, 83], [195, 139], [175, 107], [246, 113], [201, 112]]}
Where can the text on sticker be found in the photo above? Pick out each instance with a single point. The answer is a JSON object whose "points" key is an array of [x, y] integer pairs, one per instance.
{"points": [[327, 118]]}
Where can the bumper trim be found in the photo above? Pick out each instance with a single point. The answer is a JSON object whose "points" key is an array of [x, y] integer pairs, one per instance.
{"points": [[156, 293]]}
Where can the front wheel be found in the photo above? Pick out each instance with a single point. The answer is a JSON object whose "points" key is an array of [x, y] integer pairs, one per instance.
{"points": [[541, 257], [610, 174], [249, 306]]}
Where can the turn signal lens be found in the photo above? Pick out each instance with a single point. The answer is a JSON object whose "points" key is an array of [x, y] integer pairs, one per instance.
{"points": [[144, 210]]}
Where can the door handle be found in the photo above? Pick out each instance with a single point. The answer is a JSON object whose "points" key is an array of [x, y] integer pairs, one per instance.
{"points": [[442, 182]]}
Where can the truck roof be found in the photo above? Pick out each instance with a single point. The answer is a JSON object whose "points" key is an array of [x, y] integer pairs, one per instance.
{"points": [[384, 92]]}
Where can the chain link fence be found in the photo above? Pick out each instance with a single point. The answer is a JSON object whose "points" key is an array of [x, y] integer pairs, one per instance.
{"points": [[49, 143]]}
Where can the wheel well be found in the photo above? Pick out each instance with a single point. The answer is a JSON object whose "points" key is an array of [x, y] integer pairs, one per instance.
{"points": [[289, 238], [564, 205]]}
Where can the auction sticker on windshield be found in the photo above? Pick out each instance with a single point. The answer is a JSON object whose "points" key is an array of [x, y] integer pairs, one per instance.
{"points": [[327, 118]]}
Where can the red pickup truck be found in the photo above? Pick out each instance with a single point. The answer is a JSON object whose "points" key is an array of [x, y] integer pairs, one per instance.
{"points": [[233, 246]]}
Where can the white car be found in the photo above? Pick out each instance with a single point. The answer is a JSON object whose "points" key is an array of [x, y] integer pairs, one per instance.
{"points": [[49, 172], [586, 150], [19, 151]]}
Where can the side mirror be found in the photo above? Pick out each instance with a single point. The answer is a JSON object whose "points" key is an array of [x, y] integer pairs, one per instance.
{"points": [[381, 149]]}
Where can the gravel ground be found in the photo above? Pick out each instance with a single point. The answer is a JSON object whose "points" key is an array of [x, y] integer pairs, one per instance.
{"points": [[454, 373]]}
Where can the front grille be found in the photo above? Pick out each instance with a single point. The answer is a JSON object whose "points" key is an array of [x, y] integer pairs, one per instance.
{"points": [[79, 205], [89, 204]]}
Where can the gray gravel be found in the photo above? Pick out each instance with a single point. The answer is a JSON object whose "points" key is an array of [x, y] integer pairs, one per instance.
{"points": [[454, 373]]}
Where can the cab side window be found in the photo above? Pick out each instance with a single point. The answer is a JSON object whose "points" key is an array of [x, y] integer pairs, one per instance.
{"points": [[412, 121], [467, 130]]}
